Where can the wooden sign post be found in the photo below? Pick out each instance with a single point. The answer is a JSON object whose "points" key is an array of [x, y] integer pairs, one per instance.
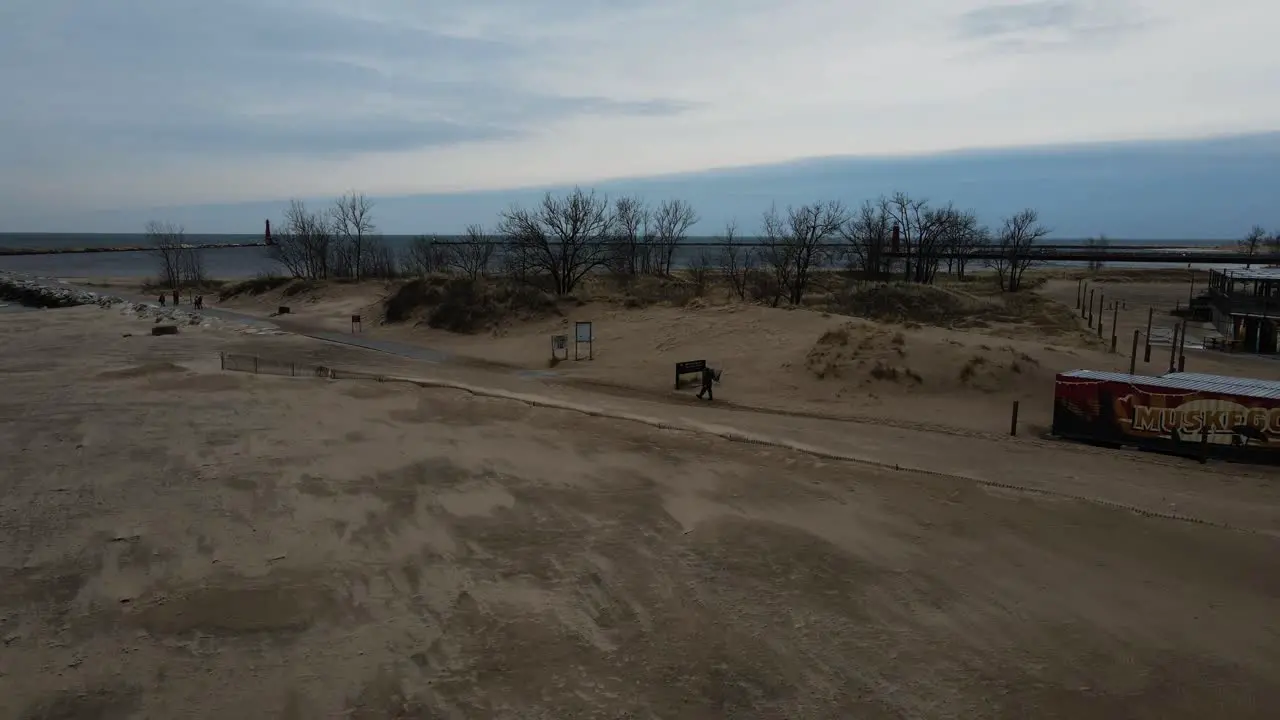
{"points": [[356, 325], [582, 335]]}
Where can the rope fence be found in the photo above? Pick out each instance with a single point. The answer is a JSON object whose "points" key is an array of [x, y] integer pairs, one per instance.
{"points": [[259, 365]]}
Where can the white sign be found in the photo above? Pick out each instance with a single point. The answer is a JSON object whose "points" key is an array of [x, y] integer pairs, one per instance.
{"points": [[583, 330], [561, 342]]}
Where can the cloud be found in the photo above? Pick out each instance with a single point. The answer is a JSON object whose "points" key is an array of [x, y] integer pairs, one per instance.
{"points": [[1051, 24], [260, 79], [137, 103]]}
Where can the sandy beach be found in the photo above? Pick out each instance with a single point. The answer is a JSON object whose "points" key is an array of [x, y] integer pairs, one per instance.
{"points": [[847, 531]]}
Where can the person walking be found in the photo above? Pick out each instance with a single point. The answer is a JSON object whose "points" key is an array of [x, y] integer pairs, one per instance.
{"points": [[709, 376]]}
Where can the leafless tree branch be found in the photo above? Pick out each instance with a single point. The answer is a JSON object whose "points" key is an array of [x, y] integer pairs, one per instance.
{"points": [[670, 225], [794, 246], [564, 239], [351, 219], [1015, 243], [473, 256]]}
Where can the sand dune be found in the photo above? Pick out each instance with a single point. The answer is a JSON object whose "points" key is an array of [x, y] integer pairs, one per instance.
{"points": [[180, 541]]}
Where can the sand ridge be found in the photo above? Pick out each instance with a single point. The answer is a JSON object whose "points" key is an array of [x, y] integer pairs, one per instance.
{"points": [[197, 543]]}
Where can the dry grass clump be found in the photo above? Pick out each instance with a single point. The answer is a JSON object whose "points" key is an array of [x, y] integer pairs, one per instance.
{"points": [[964, 306], [860, 352], [910, 302], [253, 286], [465, 305], [995, 370]]}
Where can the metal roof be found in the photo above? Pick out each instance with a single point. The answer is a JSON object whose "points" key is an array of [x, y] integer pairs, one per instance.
{"points": [[1223, 379], [1175, 383], [1263, 273]]}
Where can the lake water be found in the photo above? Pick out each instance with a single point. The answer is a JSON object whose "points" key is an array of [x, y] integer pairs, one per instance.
{"points": [[246, 262]]}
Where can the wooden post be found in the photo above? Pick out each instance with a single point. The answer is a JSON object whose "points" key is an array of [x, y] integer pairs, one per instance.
{"points": [[222, 361], [293, 369], [1173, 349], [1182, 349], [255, 364], [1013, 422], [1102, 300], [1115, 319], [1079, 293], [1133, 354], [1091, 290], [1146, 358]]}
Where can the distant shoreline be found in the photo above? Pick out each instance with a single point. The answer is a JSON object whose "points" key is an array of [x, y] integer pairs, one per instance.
{"points": [[117, 249]]}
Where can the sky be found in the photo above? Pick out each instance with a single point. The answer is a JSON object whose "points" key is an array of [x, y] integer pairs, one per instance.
{"points": [[139, 104]]}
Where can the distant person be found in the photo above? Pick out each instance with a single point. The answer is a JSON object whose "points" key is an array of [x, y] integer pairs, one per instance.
{"points": [[199, 302], [175, 297], [709, 376], [161, 299]]}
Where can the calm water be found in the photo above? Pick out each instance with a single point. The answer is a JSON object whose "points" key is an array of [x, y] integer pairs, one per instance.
{"points": [[245, 262]]}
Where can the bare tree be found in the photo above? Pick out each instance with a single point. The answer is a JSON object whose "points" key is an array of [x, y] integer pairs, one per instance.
{"points": [[966, 236], [670, 225], [473, 256], [424, 256], [1250, 243], [304, 242], [1015, 246], [868, 234], [631, 254], [565, 238], [737, 260], [793, 247], [191, 266], [351, 218], [380, 260], [906, 212], [935, 229], [168, 240]]}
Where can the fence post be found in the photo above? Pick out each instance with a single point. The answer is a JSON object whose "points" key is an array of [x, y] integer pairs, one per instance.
{"points": [[1133, 354], [1115, 320], [255, 364], [1013, 422], [1091, 291], [1182, 347], [293, 369], [1102, 301], [1173, 348], [1146, 357], [222, 361]]}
